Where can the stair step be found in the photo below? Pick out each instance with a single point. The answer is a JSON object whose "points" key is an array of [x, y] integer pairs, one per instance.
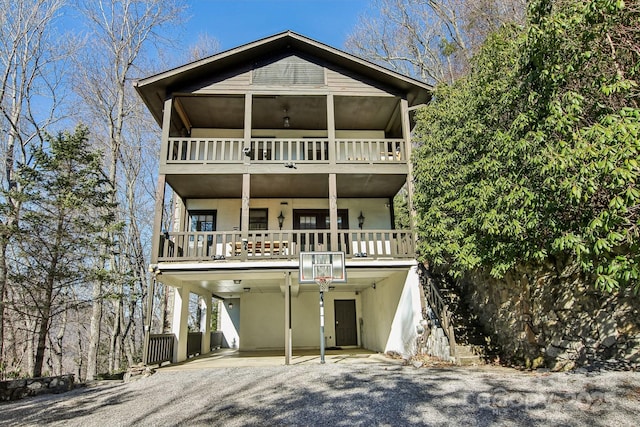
{"points": [[469, 360], [466, 355]]}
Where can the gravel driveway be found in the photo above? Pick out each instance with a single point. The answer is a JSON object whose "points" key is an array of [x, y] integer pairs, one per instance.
{"points": [[343, 395]]}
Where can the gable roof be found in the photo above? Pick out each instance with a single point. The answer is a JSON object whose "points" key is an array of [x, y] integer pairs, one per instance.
{"points": [[154, 89]]}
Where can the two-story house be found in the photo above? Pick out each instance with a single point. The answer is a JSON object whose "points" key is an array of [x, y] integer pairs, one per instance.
{"points": [[277, 147]]}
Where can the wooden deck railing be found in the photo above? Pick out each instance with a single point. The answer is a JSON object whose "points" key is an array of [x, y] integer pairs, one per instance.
{"points": [[216, 339], [160, 348], [278, 244], [194, 343], [275, 150]]}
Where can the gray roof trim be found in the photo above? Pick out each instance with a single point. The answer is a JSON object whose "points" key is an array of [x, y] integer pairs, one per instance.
{"points": [[154, 89]]}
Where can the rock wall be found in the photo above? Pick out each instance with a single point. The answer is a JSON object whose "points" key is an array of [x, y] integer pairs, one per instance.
{"points": [[437, 345], [17, 389], [552, 316]]}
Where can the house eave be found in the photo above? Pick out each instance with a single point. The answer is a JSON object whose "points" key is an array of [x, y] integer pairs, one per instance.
{"points": [[155, 89]]}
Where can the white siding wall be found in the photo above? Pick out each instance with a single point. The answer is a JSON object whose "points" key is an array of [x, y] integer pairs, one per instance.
{"points": [[262, 319], [403, 334], [375, 211], [391, 313], [379, 307]]}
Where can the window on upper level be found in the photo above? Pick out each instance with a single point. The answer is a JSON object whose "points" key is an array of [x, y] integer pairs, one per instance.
{"points": [[200, 220], [258, 219]]}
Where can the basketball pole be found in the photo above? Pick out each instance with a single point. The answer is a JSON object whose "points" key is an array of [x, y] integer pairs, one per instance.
{"points": [[321, 326]]}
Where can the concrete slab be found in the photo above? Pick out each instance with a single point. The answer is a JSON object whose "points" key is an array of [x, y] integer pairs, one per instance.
{"points": [[233, 358]]}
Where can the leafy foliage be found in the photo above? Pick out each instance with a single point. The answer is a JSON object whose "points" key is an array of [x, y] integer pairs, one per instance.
{"points": [[535, 153], [65, 212]]}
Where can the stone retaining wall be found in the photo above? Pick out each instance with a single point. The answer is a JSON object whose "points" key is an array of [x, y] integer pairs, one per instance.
{"points": [[437, 345], [552, 316], [17, 389]]}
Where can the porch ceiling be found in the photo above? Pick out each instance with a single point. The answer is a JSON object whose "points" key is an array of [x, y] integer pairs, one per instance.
{"points": [[221, 283], [286, 185], [304, 112]]}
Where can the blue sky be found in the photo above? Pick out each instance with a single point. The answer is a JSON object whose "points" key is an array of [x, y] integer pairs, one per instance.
{"points": [[236, 22]]}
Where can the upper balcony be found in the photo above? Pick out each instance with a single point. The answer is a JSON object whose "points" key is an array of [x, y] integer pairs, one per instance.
{"points": [[277, 150]]}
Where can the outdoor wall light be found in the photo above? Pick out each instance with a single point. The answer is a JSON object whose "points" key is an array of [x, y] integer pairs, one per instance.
{"points": [[285, 119], [280, 220], [373, 285], [230, 305], [247, 289], [237, 281], [360, 220]]}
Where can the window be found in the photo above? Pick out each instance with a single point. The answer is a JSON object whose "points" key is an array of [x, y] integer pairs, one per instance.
{"points": [[307, 222], [318, 219], [258, 219], [202, 220]]}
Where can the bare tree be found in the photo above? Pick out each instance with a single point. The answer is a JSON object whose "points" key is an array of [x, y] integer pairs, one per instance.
{"points": [[31, 74], [122, 32], [204, 46], [431, 40]]}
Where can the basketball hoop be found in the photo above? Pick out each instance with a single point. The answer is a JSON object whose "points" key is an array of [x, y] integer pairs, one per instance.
{"points": [[322, 275], [323, 283], [323, 268]]}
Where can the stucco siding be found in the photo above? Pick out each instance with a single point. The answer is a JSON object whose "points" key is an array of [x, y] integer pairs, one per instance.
{"points": [[379, 306], [375, 211], [262, 320], [403, 334]]}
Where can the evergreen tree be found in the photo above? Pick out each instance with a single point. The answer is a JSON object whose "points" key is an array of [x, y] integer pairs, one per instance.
{"points": [[65, 211]]}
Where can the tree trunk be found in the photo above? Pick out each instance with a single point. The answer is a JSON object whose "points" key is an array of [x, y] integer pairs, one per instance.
{"points": [[79, 359], [45, 309], [94, 331], [115, 331], [3, 296], [59, 343]]}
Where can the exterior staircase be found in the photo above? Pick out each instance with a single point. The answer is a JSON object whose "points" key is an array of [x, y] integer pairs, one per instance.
{"points": [[453, 331], [467, 355]]}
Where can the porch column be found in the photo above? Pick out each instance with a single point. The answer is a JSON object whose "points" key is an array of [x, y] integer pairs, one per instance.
{"points": [[406, 135], [246, 191], [287, 318], [160, 190], [333, 211], [180, 220], [205, 322], [248, 111], [246, 178], [166, 125], [331, 129], [157, 221], [179, 324]]}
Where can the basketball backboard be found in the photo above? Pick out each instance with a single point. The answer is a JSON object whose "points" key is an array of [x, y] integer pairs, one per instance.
{"points": [[337, 270]]}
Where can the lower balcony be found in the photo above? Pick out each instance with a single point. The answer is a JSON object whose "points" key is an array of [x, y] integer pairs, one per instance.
{"points": [[277, 244]]}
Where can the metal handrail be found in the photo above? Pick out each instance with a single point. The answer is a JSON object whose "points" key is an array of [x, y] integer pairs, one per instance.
{"points": [[439, 307]]}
